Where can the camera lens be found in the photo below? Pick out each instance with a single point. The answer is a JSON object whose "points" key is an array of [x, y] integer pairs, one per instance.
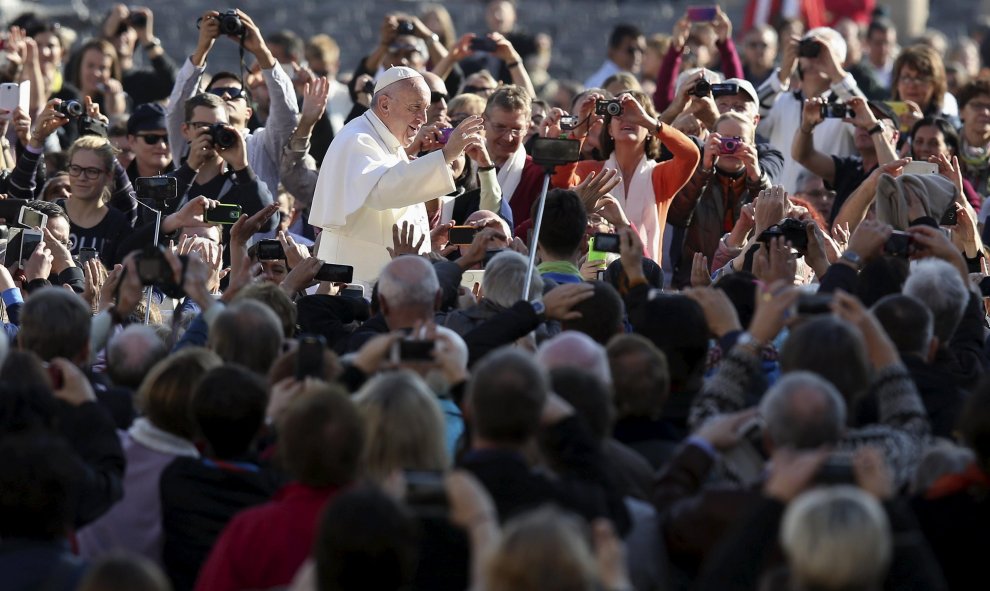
{"points": [[71, 108], [702, 88], [230, 24], [222, 136], [614, 108]]}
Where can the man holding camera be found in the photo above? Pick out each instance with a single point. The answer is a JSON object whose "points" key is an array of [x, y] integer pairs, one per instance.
{"points": [[368, 182], [127, 28], [818, 59], [264, 145], [217, 166]]}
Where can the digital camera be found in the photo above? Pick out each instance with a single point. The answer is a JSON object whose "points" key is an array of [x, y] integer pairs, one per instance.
{"points": [[702, 88], [611, 107], [222, 136], [71, 109], [836, 111], [729, 145], [231, 23], [791, 230], [809, 48]]}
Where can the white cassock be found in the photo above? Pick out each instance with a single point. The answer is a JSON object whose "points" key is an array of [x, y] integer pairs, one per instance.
{"points": [[367, 184]]}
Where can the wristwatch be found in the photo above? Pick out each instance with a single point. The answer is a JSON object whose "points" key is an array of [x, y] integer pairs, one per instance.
{"points": [[878, 128], [539, 309], [155, 42], [854, 259], [746, 339]]}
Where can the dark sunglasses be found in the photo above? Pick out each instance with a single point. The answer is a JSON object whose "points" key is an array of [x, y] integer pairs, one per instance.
{"points": [[231, 91], [436, 96], [152, 139]]}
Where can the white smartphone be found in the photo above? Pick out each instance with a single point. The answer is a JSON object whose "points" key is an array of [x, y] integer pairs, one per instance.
{"points": [[916, 167], [469, 278], [13, 95], [32, 218]]}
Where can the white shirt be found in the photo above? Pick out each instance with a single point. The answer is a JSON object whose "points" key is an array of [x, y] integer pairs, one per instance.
{"points": [[781, 119], [367, 183], [598, 78]]}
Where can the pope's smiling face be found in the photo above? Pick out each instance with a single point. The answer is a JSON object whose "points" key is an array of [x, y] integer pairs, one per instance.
{"points": [[402, 108]]}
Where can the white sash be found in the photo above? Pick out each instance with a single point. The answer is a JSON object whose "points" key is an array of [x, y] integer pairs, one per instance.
{"points": [[511, 173]]}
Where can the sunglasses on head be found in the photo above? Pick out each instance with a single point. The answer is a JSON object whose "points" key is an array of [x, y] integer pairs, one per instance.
{"points": [[152, 139], [436, 96], [232, 91]]}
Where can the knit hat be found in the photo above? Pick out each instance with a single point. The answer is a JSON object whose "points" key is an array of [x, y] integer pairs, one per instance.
{"points": [[933, 192]]}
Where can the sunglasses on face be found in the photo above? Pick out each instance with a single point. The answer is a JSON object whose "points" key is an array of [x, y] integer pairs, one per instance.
{"points": [[435, 97], [231, 91], [153, 139]]}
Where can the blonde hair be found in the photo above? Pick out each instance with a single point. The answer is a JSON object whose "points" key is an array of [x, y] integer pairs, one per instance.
{"points": [[544, 550], [106, 151], [469, 104], [324, 45], [836, 538], [745, 122], [404, 425], [447, 34]]}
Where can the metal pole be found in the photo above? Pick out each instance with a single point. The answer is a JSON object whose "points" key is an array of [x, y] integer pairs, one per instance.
{"points": [[148, 290], [536, 236]]}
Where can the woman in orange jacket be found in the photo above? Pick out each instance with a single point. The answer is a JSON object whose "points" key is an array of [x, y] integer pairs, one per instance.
{"points": [[631, 142]]}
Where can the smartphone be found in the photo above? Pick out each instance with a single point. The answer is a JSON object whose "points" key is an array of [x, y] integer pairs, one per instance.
{"points": [[603, 242], [32, 218], [469, 278], [412, 350], [156, 188], [898, 245], [918, 167], [445, 134], [950, 217], [87, 254], [462, 235], [554, 152], [900, 108], [810, 304], [426, 494], [352, 291], [309, 356], [701, 14], [483, 44], [224, 213], [270, 250], [335, 273], [600, 275], [29, 241], [14, 95]]}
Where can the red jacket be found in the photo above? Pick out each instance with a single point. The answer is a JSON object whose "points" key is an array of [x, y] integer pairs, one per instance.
{"points": [[264, 546]]}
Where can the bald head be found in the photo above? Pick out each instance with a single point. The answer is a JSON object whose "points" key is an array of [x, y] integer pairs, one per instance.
{"points": [[132, 353], [408, 285], [437, 111], [578, 350], [804, 411]]}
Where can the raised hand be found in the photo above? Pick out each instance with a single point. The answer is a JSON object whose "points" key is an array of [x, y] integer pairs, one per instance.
{"points": [[402, 240]]}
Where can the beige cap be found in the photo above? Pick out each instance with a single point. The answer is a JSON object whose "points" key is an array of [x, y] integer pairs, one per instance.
{"points": [[393, 75]]}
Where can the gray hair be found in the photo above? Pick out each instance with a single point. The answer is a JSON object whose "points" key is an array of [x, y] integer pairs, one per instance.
{"points": [[132, 353], [943, 458], [409, 281], [836, 538], [803, 410], [938, 285], [504, 278]]}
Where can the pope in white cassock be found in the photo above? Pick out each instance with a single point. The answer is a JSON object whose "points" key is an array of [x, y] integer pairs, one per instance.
{"points": [[367, 182]]}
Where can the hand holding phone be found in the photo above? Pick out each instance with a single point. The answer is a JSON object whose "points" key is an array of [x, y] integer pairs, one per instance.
{"points": [[224, 214]]}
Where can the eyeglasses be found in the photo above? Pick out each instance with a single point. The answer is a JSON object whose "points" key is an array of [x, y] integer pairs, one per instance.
{"points": [[232, 92], [153, 139], [89, 173], [500, 130], [978, 106], [198, 124], [915, 80], [436, 97]]}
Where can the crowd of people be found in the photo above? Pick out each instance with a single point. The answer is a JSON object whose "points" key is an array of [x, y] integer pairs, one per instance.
{"points": [[714, 319]]}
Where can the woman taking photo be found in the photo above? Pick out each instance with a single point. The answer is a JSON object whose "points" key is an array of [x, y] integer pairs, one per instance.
{"points": [[919, 81], [631, 143], [95, 71], [933, 139]]}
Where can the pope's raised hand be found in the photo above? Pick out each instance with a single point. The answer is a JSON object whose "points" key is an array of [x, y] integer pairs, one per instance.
{"points": [[463, 135]]}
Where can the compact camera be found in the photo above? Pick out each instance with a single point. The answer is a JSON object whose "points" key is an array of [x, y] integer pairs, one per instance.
{"points": [[791, 230], [809, 48], [70, 109], [702, 88], [836, 111], [611, 107], [153, 269], [729, 145]]}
